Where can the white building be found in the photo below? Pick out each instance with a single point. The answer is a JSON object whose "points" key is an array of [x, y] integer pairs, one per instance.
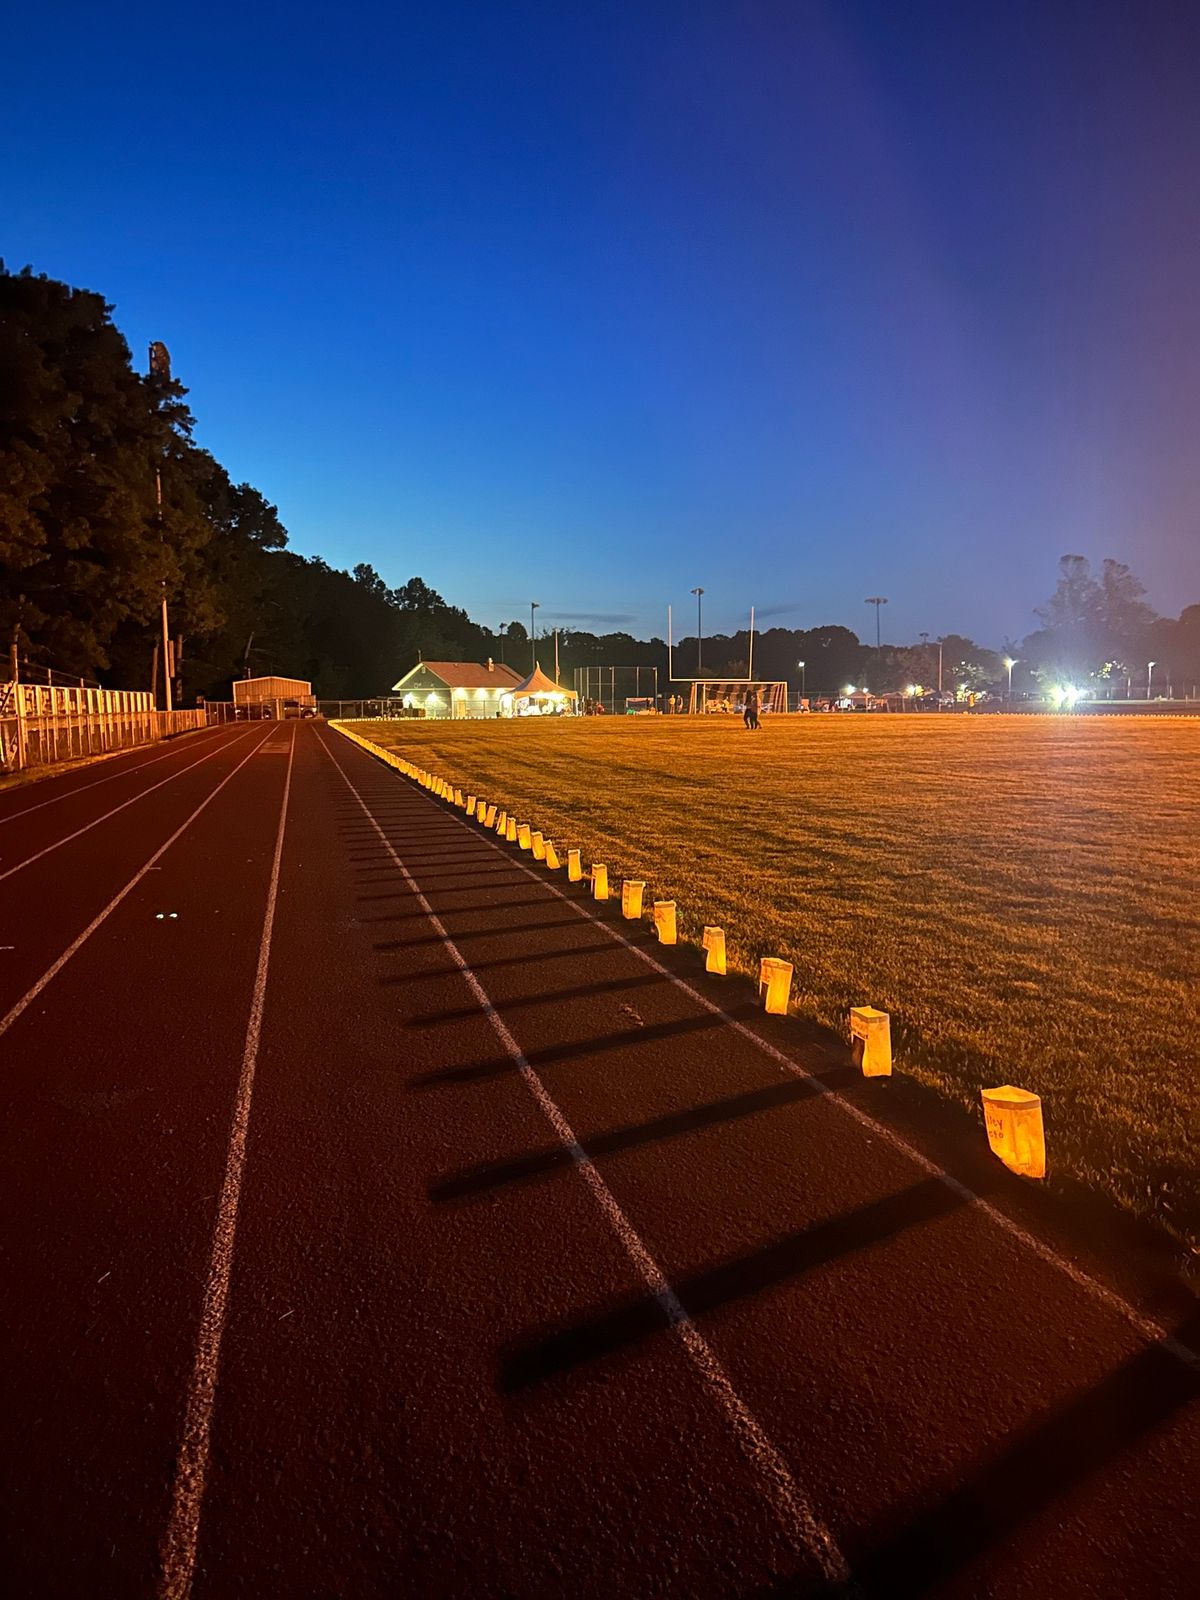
{"points": [[458, 688]]}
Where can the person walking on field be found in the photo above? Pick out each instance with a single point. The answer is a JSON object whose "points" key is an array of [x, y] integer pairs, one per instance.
{"points": [[750, 714]]}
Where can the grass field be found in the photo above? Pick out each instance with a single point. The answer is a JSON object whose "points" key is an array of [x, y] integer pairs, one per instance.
{"points": [[1019, 892]]}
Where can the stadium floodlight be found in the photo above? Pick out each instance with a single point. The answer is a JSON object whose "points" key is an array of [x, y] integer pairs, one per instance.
{"points": [[699, 593], [876, 600]]}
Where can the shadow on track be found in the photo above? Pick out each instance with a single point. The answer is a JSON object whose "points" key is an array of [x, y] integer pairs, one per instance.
{"points": [[479, 1180], [567, 953], [497, 1066], [460, 911], [1035, 1467], [548, 997], [460, 935], [608, 1331]]}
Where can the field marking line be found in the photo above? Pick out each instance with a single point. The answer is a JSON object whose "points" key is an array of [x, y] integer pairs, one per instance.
{"points": [[133, 799], [178, 1551], [1147, 1326], [52, 972], [81, 788], [796, 1517]]}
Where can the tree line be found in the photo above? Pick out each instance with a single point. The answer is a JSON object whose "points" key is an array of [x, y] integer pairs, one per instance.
{"points": [[86, 548]]}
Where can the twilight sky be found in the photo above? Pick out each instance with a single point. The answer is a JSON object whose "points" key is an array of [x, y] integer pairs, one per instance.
{"points": [[590, 303]]}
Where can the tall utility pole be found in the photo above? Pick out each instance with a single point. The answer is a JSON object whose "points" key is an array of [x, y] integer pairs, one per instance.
{"points": [[876, 600], [502, 627], [699, 593], [160, 366], [166, 633], [534, 605]]}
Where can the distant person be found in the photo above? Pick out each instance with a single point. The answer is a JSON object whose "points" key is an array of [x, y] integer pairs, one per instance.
{"points": [[750, 715]]}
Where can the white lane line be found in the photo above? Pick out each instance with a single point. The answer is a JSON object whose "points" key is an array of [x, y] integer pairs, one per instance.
{"points": [[1147, 1326], [52, 972], [80, 788], [191, 1467], [133, 800], [809, 1536]]}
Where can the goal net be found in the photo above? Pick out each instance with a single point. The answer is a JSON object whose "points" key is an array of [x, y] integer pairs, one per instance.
{"points": [[728, 695]]}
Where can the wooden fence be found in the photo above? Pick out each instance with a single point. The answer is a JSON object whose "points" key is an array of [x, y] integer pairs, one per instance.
{"points": [[40, 724]]}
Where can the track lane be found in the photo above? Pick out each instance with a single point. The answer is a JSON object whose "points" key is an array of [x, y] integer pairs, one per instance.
{"points": [[33, 841], [191, 1469], [42, 792], [43, 910], [845, 1236], [116, 1091]]}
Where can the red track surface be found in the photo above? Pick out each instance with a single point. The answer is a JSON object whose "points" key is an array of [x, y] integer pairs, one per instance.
{"points": [[425, 1238]]}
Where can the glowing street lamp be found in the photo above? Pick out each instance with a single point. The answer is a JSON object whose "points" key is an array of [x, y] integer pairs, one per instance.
{"points": [[1009, 663], [1150, 666], [800, 664]]}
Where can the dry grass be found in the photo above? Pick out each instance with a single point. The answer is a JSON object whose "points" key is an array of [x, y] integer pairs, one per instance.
{"points": [[1019, 893]]}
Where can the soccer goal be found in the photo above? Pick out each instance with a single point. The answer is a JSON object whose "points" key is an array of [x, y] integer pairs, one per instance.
{"points": [[728, 695]]}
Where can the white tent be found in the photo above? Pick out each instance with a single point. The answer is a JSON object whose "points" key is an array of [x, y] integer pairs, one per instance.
{"points": [[538, 692]]}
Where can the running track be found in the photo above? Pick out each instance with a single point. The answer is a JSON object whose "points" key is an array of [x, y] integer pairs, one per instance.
{"points": [[381, 1218]]}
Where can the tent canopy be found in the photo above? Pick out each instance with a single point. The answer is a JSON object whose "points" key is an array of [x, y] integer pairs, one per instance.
{"points": [[536, 684]]}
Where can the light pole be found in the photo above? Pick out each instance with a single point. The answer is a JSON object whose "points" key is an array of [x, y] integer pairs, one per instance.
{"points": [[876, 600], [500, 634], [533, 606], [160, 367], [1009, 663], [803, 680], [699, 593], [1150, 666]]}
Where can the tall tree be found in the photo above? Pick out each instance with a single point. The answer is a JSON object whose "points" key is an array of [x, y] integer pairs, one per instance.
{"points": [[1090, 627], [82, 551]]}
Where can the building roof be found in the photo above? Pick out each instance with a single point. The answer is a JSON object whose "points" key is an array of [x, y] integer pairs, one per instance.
{"points": [[465, 675], [538, 683]]}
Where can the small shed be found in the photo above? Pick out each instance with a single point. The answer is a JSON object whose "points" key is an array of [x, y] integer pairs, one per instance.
{"points": [[273, 697]]}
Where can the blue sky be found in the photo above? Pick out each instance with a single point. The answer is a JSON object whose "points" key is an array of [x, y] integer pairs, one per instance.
{"points": [[592, 303]]}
